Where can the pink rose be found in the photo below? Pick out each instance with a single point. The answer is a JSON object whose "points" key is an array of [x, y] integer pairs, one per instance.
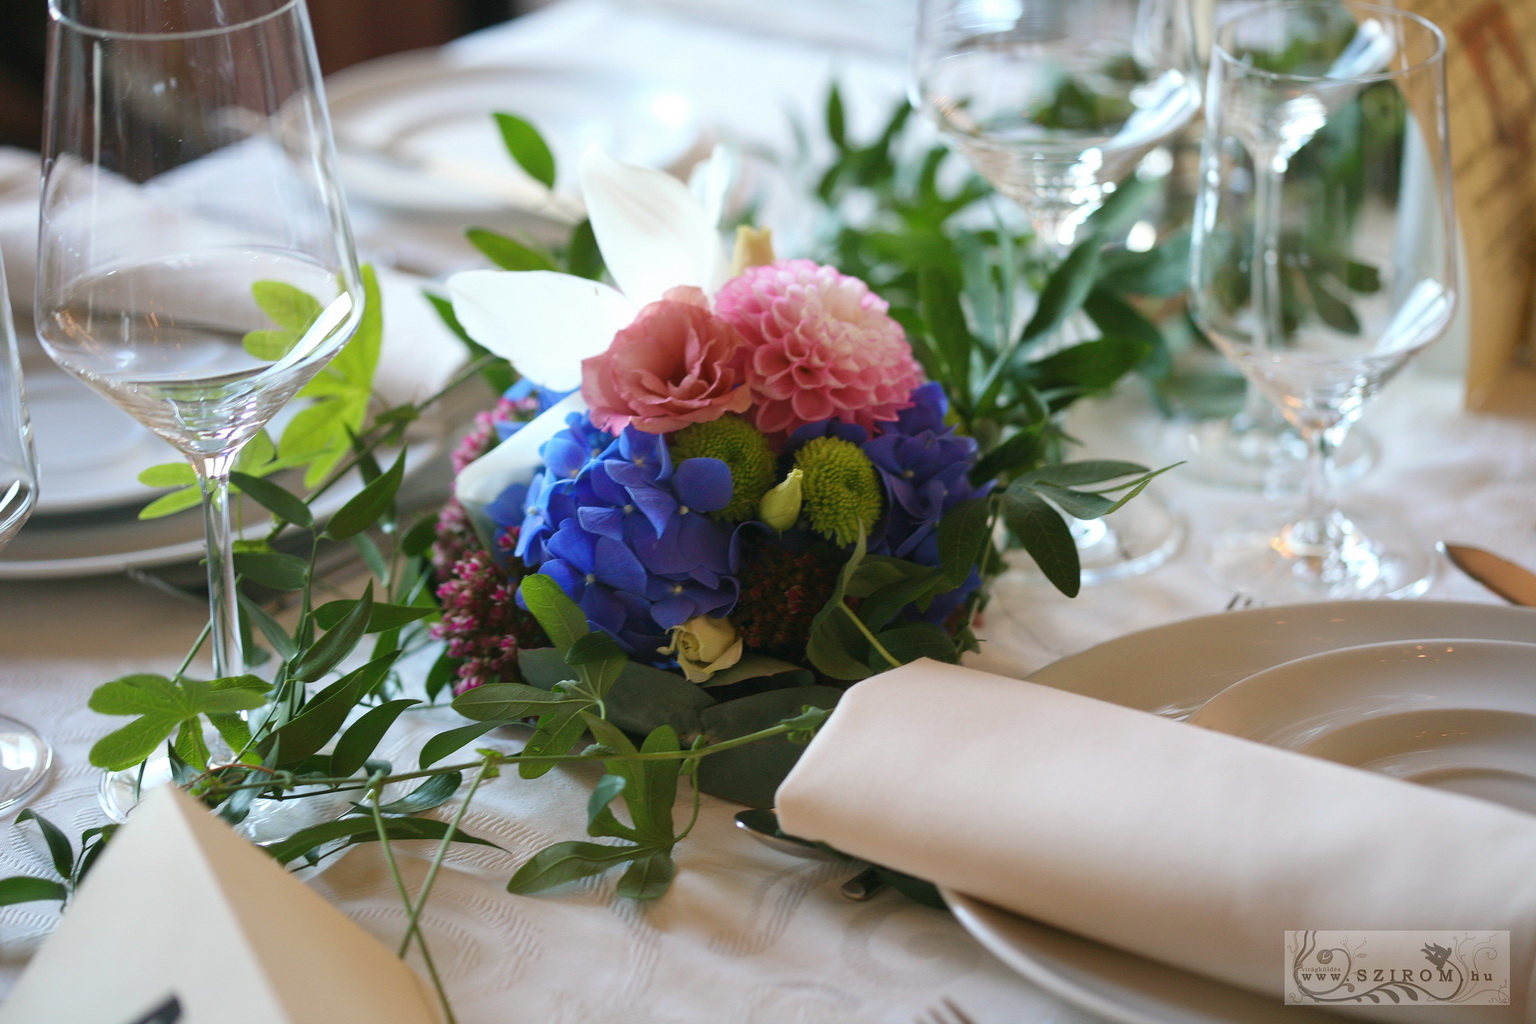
{"points": [[676, 364]]}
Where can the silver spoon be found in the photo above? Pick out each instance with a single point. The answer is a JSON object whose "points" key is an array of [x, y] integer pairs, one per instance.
{"points": [[763, 825]]}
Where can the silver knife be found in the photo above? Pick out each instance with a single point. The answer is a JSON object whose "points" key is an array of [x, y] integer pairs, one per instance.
{"points": [[1514, 583]]}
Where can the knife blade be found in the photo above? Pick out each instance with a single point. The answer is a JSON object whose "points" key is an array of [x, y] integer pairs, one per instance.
{"points": [[1514, 583]]}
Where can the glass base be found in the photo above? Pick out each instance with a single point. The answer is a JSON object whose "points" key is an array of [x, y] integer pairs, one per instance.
{"points": [[267, 822], [25, 758], [1259, 455], [1265, 558]]}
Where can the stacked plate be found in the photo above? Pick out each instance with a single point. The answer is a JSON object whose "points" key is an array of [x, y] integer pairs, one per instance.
{"points": [[1437, 693]]}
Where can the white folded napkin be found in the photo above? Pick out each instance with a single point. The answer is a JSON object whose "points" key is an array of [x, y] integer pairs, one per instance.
{"points": [[1167, 840], [419, 354]]}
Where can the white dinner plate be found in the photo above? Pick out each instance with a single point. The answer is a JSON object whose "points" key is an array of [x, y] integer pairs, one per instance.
{"points": [[1173, 670], [415, 131], [55, 547], [1453, 714]]}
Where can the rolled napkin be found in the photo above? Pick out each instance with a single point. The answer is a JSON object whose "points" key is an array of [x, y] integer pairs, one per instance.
{"points": [[1169, 841]]}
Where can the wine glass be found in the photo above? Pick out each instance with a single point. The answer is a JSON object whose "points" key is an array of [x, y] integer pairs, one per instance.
{"points": [[24, 755], [1055, 102], [195, 265], [1323, 262]]}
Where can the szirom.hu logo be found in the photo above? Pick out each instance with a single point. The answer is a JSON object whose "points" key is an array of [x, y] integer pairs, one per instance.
{"points": [[1403, 967]]}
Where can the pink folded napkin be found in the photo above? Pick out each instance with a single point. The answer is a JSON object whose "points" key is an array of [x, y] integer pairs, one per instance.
{"points": [[1167, 840]]}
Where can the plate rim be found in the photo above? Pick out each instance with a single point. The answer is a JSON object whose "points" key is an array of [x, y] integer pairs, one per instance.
{"points": [[1070, 669]]}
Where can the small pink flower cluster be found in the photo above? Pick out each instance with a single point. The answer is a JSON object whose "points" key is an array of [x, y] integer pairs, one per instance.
{"points": [[787, 344]]}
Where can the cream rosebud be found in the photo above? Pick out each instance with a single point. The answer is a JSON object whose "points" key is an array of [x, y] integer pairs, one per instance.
{"points": [[780, 507], [704, 645]]}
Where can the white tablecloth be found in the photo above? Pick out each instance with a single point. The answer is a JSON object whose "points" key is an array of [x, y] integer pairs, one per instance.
{"points": [[746, 933]]}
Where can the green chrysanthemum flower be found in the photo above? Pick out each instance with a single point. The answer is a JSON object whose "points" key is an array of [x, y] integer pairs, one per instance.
{"points": [[739, 445], [841, 491]]}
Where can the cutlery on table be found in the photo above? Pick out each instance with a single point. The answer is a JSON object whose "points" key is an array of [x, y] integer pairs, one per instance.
{"points": [[763, 825], [1514, 583]]}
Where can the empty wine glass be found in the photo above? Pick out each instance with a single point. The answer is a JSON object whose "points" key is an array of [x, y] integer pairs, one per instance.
{"points": [[196, 266], [1323, 261], [24, 755], [1055, 102]]}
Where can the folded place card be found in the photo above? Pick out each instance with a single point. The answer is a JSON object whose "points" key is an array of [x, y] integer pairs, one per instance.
{"points": [[1183, 845], [184, 922]]}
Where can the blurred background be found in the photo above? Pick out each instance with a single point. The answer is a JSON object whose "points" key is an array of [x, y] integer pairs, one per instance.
{"points": [[346, 32]]}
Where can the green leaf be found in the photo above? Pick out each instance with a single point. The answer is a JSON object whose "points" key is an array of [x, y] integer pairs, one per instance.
{"points": [[273, 569], [383, 617], [365, 507], [964, 533], [647, 877], [600, 820], [599, 659], [508, 253], [1161, 271], [278, 500], [1064, 291], [169, 474], [270, 628], [834, 640], [354, 830], [324, 713], [582, 256], [567, 862], [327, 652], [1045, 536], [1089, 471], [435, 792], [23, 889], [269, 346], [1089, 367], [556, 733], [1080, 504], [561, 618], [362, 737], [162, 707], [837, 121], [528, 148], [59, 849], [912, 640], [169, 504], [945, 320], [289, 307], [508, 702], [445, 743]]}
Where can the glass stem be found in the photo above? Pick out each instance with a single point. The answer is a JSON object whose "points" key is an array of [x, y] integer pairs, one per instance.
{"points": [[1319, 534], [213, 477], [1269, 170]]}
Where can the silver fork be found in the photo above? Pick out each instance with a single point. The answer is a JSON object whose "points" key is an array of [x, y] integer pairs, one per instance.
{"points": [[944, 1012]]}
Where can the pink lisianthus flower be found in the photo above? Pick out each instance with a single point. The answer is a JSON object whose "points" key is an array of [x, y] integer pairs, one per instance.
{"points": [[822, 347], [676, 364]]}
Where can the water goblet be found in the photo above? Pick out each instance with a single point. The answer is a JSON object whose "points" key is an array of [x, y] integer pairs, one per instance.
{"points": [[1055, 102], [189, 189], [1323, 261], [24, 755]]}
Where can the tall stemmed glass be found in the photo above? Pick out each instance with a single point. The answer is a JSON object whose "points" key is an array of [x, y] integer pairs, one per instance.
{"points": [[189, 169], [24, 755], [1054, 102], [1323, 260]]}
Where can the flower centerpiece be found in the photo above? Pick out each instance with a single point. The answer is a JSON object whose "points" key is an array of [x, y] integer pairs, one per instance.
{"points": [[737, 470]]}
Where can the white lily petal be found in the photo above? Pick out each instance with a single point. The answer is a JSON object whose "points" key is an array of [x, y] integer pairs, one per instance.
{"points": [[653, 234], [544, 323], [712, 181], [516, 459]]}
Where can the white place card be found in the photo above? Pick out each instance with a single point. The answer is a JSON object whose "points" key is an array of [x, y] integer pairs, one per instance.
{"points": [[182, 913]]}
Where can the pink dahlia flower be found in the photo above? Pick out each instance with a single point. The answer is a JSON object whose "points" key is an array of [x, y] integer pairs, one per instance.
{"points": [[676, 364], [822, 347]]}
